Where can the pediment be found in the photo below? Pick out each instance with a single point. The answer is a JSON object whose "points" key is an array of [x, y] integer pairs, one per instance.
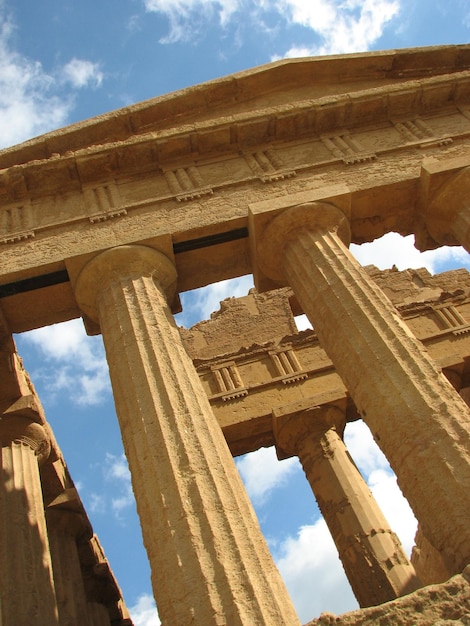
{"points": [[271, 89]]}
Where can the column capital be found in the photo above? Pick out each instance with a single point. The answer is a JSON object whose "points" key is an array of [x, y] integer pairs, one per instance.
{"points": [[444, 210], [286, 226], [116, 263], [290, 430], [68, 522], [18, 429]]}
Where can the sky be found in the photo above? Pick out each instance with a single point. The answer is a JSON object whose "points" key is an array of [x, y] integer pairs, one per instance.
{"points": [[63, 61]]}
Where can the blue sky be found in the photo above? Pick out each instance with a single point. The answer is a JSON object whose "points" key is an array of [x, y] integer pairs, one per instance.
{"points": [[65, 61]]}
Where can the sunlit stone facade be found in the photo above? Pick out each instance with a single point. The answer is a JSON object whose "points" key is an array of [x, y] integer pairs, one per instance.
{"points": [[271, 172]]}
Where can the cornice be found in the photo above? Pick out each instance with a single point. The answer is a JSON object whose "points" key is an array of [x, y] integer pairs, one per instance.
{"points": [[160, 150], [146, 146], [214, 97]]}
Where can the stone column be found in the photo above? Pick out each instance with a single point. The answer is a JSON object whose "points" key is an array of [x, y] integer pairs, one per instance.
{"points": [[209, 561], [372, 556], [99, 616], [63, 528], [416, 417], [427, 561], [27, 593], [447, 215]]}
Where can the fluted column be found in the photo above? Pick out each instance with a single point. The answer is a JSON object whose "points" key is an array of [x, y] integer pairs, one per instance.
{"points": [[99, 616], [63, 528], [27, 593], [372, 556], [416, 417], [209, 561]]}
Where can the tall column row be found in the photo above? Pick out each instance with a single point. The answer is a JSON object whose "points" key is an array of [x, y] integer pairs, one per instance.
{"points": [[42, 577], [27, 592]]}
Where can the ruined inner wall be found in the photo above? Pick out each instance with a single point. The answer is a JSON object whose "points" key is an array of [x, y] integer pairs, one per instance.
{"points": [[251, 358]]}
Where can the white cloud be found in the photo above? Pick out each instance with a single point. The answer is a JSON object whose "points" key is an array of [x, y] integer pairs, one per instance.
{"points": [[187, 16], [81, 73], [393, 249], [96, 503], [343, 26], [340, 25], [115, 493], [262, 472], [144, 611], [28, 105], [32, 99], [72, 362], [313, 573], [117, 473]]}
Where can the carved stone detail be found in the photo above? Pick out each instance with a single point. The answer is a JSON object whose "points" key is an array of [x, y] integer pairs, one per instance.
{"points": [[186, 183], [347, 148], [287, 365], [103, 203], [16, 223], [451, 319], [268, 166], [227, 378], [417, 130]]}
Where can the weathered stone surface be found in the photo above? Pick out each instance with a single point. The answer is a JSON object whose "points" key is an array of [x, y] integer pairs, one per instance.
{"points": [[27, 590], [437, 605], [252, 319], [427, 561], [200, 175]]}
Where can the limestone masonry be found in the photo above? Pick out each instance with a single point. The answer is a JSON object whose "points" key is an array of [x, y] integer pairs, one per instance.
{"points": [[271, 172]]}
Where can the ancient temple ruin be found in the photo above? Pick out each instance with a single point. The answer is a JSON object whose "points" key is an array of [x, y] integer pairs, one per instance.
{"points": [[271, 172]]}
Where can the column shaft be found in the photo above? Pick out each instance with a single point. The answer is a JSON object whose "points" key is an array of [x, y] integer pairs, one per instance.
{"points": [[99, 616], [210, 563], [72, 603], [27, 593], [372, 556], [416, 417]]}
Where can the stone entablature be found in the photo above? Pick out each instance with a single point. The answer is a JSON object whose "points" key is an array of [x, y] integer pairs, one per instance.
{"points": [[178, 172], [28, 214]]}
